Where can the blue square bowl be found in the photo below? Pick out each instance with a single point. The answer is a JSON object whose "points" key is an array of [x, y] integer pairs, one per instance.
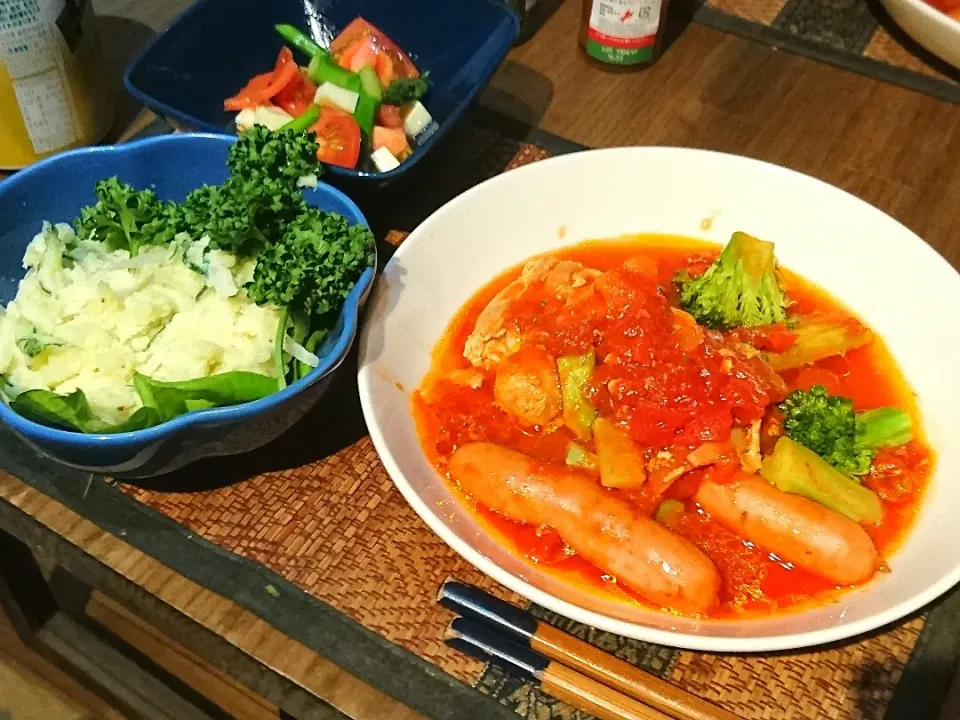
{"points": [[215, 46]]}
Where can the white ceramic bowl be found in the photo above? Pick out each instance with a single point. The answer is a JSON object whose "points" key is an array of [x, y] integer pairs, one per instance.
{"points": [[884, 272], [936, 31]]}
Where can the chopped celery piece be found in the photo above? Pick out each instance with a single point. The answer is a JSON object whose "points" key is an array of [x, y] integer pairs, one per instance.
{"points": [[884, 427], [818, 337], [579, 457], [621, 461], [575, 372], [669, 511]]}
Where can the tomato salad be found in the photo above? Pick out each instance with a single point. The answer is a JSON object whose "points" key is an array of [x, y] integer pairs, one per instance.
{"points": [[360, 97]]}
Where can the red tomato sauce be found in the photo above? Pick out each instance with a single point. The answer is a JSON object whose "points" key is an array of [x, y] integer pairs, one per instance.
{"points": [[650, 369]]}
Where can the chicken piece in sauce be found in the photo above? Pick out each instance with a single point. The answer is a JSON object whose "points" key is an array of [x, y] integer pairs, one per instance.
{"points": [[493, 337]]}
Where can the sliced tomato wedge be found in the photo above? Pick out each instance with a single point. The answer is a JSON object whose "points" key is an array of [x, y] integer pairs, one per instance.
{"points": [[297, 97], [388, 116], [391, 61], [251, 95], [386, 69], [338, 136], [364, 54], [355, 30], [265, 86]]}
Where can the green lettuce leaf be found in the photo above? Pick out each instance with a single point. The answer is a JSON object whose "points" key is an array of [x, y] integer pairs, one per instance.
{"points": [[162, 401], [73, 412], [170, 399]]}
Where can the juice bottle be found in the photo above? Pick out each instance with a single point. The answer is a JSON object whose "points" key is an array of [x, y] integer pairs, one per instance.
{"points": [[623, 34], [54, 91]]}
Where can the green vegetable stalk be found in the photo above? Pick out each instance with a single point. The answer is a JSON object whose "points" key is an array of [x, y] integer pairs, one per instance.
{"points": [[827, 425], [366, 113], [740, 289], [575, 373], [795, 469], [304, 121], [322, 69], [370, 83], [295, 38], [370, 96]]}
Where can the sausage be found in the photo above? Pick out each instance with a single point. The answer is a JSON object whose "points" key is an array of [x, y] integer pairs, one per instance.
{"points": [[661, 567], [796, 529]]}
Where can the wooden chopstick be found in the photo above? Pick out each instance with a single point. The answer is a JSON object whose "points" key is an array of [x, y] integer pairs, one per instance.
{"points": [[524, 628], [564, 683]]}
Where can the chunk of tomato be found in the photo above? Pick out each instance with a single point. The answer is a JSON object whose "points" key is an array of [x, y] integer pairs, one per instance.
{"points": [[337, 136], [393, 139], [390, 59], [297, 97], [388, 116], [265, 86]]}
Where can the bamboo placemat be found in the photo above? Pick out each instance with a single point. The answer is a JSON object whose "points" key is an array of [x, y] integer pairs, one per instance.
{"points": [[318, 508], [855, 34]]}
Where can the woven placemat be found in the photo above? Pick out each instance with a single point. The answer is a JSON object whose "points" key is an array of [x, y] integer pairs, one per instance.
{"points": [[857, 35], [318, 508]]}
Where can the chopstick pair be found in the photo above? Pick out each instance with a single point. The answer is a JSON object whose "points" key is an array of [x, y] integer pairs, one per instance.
{"points": [[569, 669]]}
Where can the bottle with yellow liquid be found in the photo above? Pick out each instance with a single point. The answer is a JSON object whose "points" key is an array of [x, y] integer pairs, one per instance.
{"points": [[54, 91]]}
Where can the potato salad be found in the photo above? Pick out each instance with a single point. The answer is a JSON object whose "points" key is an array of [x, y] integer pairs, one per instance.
{"points": [[87, 318]]}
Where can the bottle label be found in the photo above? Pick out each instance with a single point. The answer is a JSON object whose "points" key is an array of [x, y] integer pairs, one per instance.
{"points": [[623, 32], [30, 50]]}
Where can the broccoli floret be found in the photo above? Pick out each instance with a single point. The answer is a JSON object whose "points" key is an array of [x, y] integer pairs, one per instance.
{"points": [[406, 90], [126, 219], [847, 440], [314, 265], [261, 196], [740, 289]]}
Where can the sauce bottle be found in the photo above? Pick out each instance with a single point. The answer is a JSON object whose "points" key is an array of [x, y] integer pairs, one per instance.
{"points": [[623, 34], [54, 92]]}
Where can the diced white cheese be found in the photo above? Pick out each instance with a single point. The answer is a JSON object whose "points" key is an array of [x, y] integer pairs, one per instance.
{"points": [[245, 119], [330, 94], [273, 118], [384, 160], [415, 119]]}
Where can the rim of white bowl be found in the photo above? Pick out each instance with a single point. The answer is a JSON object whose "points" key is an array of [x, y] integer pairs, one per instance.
{"points": [[930, 12], [638, 631]]}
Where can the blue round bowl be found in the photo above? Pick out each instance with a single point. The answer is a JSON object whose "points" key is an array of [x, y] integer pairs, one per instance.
{"points": [[55, 190]]}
